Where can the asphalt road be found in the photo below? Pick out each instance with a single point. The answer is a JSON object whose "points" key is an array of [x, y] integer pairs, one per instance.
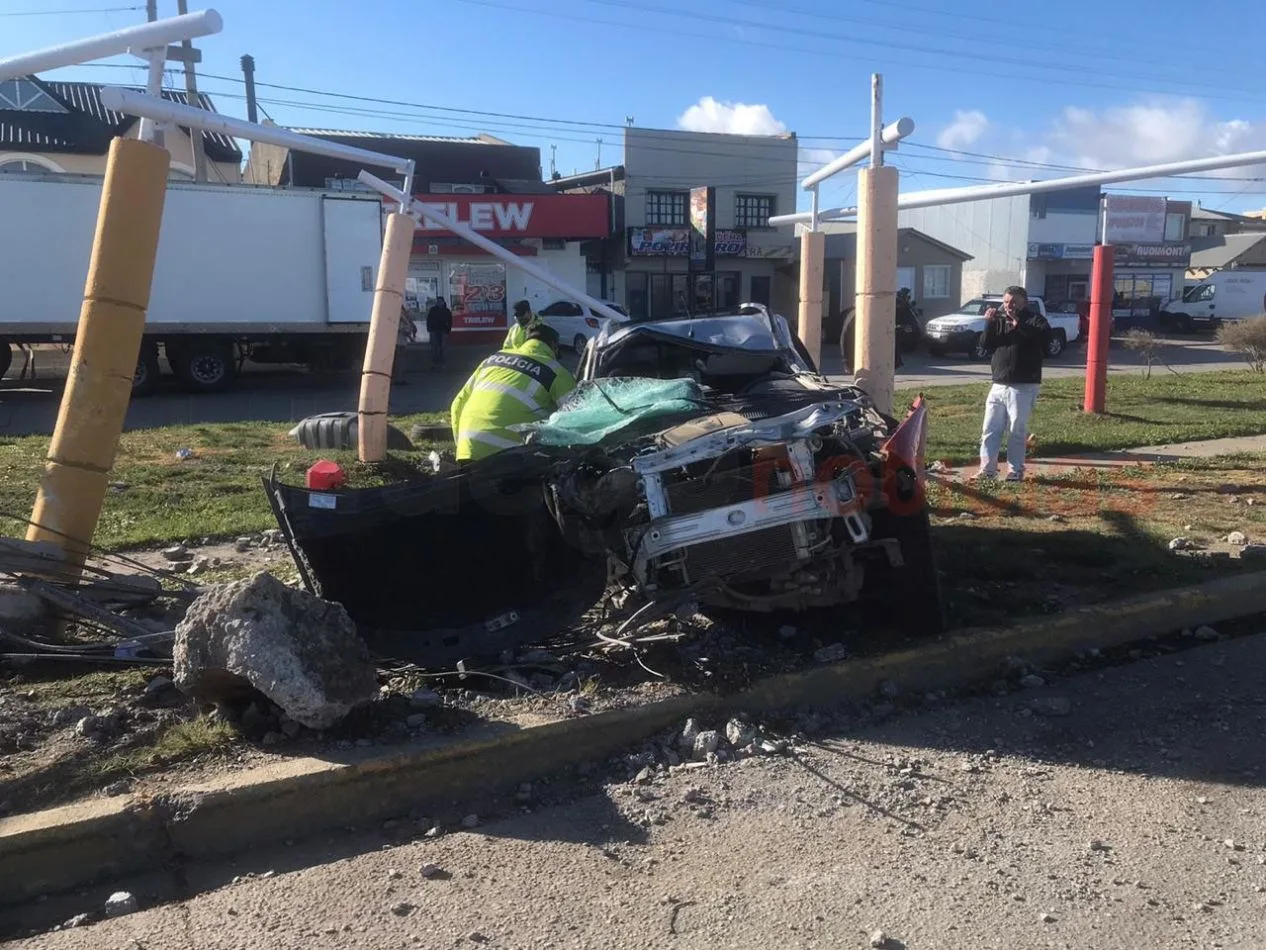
{"points": [[288, 395], [1116, 808]]}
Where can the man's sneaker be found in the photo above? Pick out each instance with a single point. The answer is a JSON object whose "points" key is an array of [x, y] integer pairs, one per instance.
{"points": [[984, 475], [1014, 476]]}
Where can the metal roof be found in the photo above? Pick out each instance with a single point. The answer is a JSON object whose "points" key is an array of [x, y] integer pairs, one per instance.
{"points": [[1223, 250], [480, 139], [88, 126]]}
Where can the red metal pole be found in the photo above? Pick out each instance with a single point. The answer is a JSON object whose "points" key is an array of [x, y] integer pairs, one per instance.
{"points": [[1100, 329]]}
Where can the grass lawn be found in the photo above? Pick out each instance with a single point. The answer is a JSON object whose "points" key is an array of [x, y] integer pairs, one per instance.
{"points": [[1166, 408], [1014, 550], [217, 492]]}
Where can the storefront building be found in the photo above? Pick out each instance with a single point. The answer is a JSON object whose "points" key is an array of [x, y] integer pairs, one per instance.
{"points": [[1151, 253], [490, 185], [546, 229]]}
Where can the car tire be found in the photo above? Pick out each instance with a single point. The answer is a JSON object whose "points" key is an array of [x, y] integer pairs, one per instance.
{"points": [[978, 351], [579, 344], [935, 350], [1055, 344], [6, 357], [205, 367], [148, 372]]}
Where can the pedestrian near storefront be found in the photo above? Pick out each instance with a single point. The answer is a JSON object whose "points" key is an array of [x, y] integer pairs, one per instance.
{"points": [[1015, 337], [439, 323]]}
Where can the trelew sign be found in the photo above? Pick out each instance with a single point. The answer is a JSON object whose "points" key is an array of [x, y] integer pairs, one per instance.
{"points": [[540, 216]]}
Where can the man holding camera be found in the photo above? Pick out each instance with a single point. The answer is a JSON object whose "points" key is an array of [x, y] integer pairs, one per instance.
{"points": [[1016, 337]]}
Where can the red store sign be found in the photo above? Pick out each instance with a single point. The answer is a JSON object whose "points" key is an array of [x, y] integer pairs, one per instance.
{"points": [[539, 216]]}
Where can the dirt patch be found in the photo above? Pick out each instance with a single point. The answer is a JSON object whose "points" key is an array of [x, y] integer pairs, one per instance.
{"points": [[1006, 552]]}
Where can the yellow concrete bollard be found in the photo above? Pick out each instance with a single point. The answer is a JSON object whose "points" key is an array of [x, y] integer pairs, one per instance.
{"points": [[380, 352], [107, 346], [875, 338]]}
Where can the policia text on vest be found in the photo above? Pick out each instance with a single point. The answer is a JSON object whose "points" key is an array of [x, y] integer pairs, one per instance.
{"points": [[516, 385]]}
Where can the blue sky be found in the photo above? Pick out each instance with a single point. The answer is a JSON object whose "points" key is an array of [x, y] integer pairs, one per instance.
{"points": [[1079, 84]]}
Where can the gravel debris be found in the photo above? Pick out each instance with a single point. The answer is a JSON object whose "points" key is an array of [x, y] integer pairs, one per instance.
{"points": [[121, 903], [470, 821]]}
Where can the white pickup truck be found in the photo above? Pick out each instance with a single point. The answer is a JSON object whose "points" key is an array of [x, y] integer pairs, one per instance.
{"points": [[964, 330]]}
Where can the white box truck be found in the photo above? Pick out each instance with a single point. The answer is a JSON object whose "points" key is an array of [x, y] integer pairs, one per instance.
{"points": [[1223, 295], [273, 275]]}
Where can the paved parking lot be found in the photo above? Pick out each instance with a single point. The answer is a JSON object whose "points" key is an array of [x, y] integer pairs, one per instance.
{"points": [[288, 395]]}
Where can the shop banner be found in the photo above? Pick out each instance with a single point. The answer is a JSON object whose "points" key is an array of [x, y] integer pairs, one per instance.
{"points": [[1061, 252], [1156, 255], [703, 218], [675, 242], [479, 296], [1134, 219]]}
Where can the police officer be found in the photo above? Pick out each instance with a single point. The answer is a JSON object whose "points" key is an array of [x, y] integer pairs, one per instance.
{"points": [[518, 384], [524, 320]]}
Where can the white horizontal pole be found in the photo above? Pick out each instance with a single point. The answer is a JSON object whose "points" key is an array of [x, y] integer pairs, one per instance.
{"points": [[132, 39], [413, 206], [889, 136], [1010, 189], [137, 103]]}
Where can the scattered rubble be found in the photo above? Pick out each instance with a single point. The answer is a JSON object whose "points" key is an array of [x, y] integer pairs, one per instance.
{"points": [[1207, 634], [121, 903], [1182, 544], [301, 652], [1237, 538], [177, 554], [1052, 706]]}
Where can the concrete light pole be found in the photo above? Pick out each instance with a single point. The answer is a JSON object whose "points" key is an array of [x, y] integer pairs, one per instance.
{"points": [[116, 294], [874, 349]]}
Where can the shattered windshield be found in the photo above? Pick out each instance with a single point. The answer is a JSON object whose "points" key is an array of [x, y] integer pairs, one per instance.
{"points": [[745, 331]]}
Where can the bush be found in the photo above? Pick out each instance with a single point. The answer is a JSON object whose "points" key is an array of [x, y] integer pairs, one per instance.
{"points": [[1146, 346], [1248, 338]]}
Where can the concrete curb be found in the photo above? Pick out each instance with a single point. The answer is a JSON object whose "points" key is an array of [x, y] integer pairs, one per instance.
{"points": [[76, 845]]}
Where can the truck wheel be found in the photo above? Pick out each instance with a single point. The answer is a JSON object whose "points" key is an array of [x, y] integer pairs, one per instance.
{"points": [[6, 357], [205, 367], [579, 344], [148, 372], [1055, 343]]}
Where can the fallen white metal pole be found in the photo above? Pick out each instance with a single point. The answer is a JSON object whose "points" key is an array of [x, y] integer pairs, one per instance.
{"points": [[138, 103], [1009, 189], [132, 39], [889, 137], [413, 206]]}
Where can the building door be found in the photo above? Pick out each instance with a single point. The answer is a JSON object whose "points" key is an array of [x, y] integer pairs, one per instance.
{"points": [[422, 286], [761, 292]]}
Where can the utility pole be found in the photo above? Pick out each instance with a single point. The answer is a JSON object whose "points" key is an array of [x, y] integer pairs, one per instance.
{"points": [[191, 88], [1099, 334], [248, 74], [154, 84], [874, 348]]}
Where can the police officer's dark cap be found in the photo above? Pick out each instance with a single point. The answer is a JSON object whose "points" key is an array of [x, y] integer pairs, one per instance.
{"points": [[521, 308]]}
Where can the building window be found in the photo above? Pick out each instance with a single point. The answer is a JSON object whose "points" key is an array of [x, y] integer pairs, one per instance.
{"points": [[936, 281], [27, 164], [23, 95], [753, 211], [1175, 226], [666, 208]]}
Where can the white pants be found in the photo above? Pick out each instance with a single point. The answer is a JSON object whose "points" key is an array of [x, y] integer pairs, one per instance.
{"points": [[1007, 406]]}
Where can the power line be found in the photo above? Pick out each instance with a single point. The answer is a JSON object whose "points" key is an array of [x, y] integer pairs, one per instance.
{"points": [[68, 12], [1025, 75]]}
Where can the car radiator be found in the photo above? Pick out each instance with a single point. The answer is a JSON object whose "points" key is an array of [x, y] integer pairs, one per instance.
{"points": [[757, 551]]}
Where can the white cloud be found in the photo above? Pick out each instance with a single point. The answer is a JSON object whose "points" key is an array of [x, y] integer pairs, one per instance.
{"points": [[735, 118], [966, 129], [741, 118], [1151, 133]]}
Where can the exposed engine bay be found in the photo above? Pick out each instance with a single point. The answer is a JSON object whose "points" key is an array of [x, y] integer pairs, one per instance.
{"points": [[764, 499]]}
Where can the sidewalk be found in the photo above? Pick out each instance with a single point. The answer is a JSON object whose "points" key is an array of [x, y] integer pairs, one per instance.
{"points": [[1125, 458]]}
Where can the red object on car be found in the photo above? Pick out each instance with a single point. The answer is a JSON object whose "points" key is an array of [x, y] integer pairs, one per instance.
{"points": [[326, 476]]}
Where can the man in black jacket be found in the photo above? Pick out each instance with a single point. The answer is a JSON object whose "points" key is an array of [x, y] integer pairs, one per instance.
{"points": [[1016, 336]]}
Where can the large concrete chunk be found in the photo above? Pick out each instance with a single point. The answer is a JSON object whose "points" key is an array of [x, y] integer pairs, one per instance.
{"points": [[302, 652]]}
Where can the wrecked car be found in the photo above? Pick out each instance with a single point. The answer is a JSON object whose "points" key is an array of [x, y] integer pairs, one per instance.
{"points": [[701, 460]]}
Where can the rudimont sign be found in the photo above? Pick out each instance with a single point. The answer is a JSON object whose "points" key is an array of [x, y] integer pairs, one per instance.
{"points": [[541, 216]]}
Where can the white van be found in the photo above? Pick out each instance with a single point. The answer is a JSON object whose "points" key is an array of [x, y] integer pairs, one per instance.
{"points": [[1223, 295]]}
